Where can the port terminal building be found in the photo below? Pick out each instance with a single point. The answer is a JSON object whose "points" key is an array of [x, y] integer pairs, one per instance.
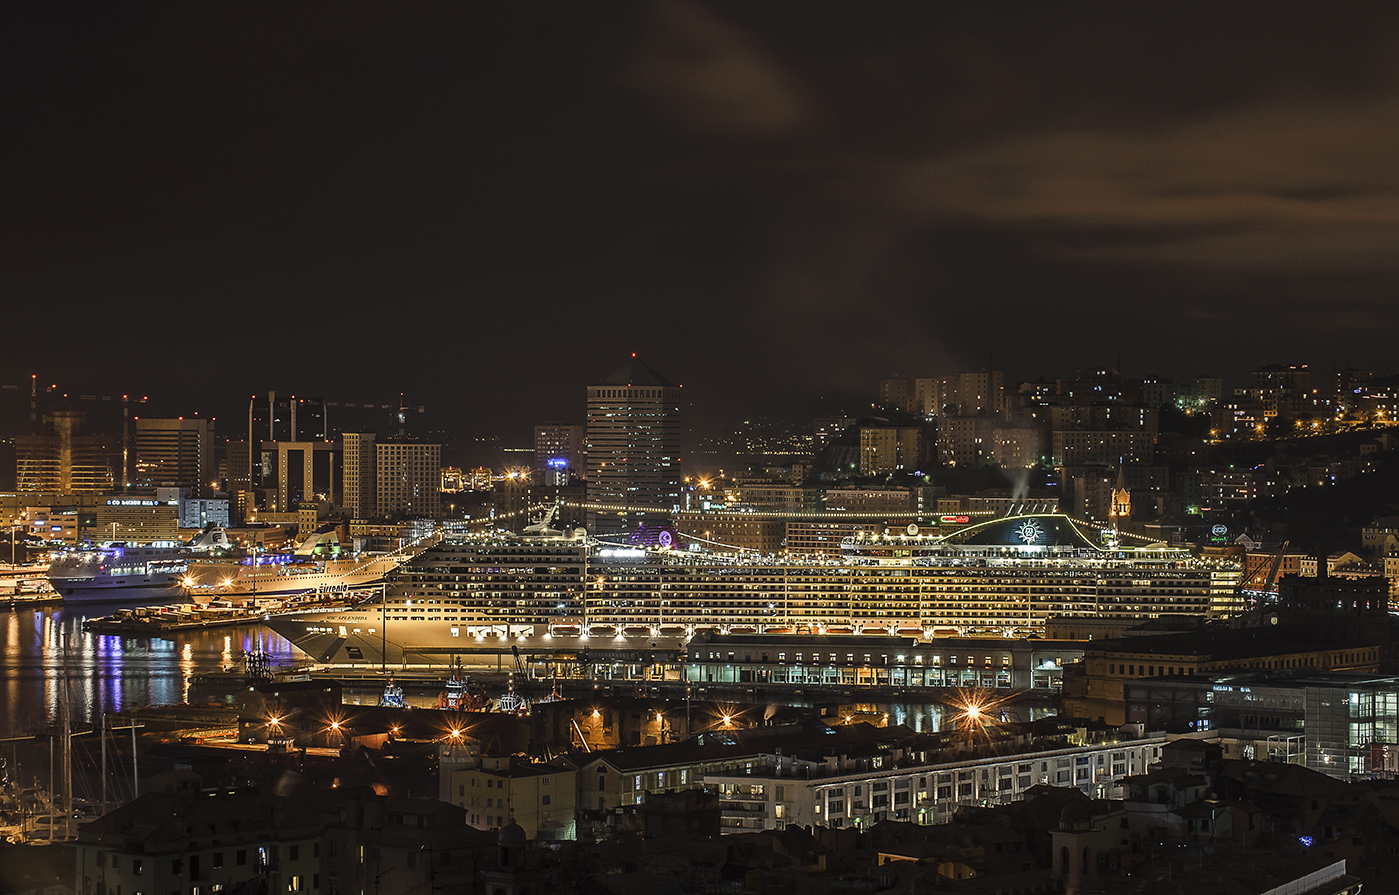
{"points": [[879, 661]]}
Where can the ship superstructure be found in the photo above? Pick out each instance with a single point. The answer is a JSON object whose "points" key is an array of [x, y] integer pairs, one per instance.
{"points": [[1001, 578], [118, 572]]}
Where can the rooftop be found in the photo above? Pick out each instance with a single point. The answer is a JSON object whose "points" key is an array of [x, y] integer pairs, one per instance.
{"points": [[635, 372]]}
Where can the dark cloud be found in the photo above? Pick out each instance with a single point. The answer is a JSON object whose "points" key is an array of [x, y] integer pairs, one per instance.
{"points": [[776, 204]]}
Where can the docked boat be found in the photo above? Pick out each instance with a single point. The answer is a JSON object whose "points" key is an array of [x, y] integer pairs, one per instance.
{"points": [[281, 576], [317, 564], [392, 697], [118, 572]]}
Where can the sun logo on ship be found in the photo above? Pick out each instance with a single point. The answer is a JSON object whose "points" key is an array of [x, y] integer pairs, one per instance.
{"points": [[1029, 531]]}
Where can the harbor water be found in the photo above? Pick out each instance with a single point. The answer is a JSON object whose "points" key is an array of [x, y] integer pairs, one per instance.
{"points": [[44, 651]]}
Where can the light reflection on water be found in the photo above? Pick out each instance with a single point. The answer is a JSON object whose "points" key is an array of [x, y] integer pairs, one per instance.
{"points": [[108, 672]]}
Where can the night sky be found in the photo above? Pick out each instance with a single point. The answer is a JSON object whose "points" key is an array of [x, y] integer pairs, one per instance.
{"points": [[488, 206]]}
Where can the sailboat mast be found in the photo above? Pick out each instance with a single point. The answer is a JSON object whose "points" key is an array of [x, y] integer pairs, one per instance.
{"points": [[66, 721], [51, 781]]}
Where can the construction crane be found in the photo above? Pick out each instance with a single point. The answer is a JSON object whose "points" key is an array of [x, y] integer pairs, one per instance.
{"points": [[520, 685], [1254, 589]]}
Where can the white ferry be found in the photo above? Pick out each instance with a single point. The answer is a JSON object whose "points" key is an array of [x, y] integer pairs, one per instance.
{"points": [[118, 572]]}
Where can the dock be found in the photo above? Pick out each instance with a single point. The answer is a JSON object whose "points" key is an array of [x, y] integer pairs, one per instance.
{"points": [[26, 585], [147, 620], [165, 619]]}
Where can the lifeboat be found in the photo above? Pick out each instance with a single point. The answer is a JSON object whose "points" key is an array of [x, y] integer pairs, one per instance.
{"points": [[636, 631], [743, 629], [565, 630], [672, 631], [784, 630], [601, 631], [910, 632], [840, 629]]}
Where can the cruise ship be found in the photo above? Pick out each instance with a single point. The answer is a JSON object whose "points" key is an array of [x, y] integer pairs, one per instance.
{"points": [[1001, 578]]}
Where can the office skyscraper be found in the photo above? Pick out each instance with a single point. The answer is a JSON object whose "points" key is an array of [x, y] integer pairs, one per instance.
{"points": [[633, 445], [174, 453], [64, 459]]}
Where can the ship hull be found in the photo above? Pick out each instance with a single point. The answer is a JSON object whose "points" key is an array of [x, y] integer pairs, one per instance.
{"points": [[123, 593], [357, 637], [223, 581]]}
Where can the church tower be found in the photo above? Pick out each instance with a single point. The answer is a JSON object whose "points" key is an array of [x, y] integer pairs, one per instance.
{"points": [[1121, 508]]}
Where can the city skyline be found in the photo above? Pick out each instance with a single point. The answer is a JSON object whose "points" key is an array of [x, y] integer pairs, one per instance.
{"points": [[482, 208], [387, 415]]}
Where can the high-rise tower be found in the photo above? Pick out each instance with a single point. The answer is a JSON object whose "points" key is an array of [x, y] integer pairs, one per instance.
{"points": [[633, 445], [176, 453]]}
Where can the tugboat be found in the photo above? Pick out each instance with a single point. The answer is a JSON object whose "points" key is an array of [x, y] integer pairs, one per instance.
{"points": [[392, 696], [554, 694], [512, 703], [458, 695]]}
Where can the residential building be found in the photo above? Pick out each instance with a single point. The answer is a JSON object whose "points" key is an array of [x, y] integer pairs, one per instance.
{"points": [[826, 428], [966, 440], [888, 448], [539, 797], [822, 539], [875, 501], [1015, 446], [811, 787], [1099, 447], [735, 531], [969, 394], [558, 453], [359, 462], [780, 498], [226, 841], [408, 478]]}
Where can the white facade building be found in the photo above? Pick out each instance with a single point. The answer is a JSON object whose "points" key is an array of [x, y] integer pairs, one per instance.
{"points": [[826, 794]]}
